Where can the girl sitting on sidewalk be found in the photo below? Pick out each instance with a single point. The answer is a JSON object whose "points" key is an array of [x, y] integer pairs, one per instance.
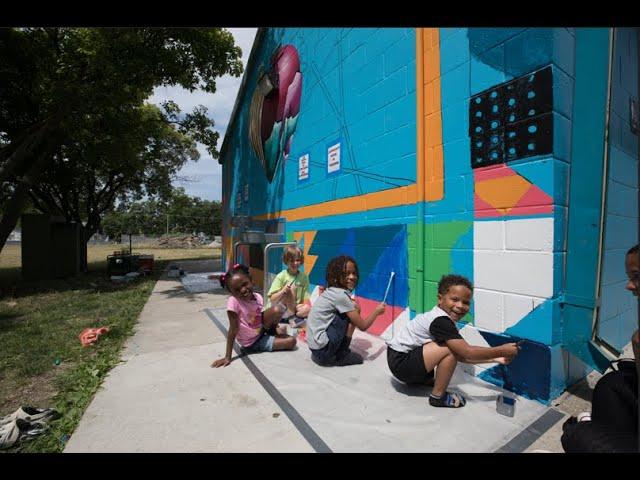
{"points": [[431, 342], [254, 329]]}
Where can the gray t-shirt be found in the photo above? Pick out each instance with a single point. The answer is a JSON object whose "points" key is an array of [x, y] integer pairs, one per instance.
{"points": [[332, 302]]}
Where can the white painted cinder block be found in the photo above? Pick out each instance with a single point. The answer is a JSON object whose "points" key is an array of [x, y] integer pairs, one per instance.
{"points": [[516, 307], [529, 234], [524, 273], [489, 235], [488, 309]]}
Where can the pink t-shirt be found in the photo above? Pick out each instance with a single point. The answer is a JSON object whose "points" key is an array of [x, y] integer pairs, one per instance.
{"points": [[249, 318]]}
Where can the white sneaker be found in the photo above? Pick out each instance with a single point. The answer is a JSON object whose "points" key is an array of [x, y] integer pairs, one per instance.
{"points": [[9, 434], [30, 414]]}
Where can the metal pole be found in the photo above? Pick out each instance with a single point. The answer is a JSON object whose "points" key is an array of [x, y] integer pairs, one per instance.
{"points": [[265, 274], [638, 220]]}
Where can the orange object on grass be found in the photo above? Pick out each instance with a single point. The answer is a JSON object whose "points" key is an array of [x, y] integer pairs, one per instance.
{"points": [[89, 336]]}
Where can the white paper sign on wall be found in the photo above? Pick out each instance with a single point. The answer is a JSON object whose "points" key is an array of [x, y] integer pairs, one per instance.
{"points": [[333, 158], [303, 167]]}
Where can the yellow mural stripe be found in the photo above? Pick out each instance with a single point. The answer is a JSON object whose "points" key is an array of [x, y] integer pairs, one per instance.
{"points": [[432, 115], [382, 199]]}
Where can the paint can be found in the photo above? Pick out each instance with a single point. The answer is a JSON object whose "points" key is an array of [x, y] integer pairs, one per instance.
{"points": [[506, 405]]}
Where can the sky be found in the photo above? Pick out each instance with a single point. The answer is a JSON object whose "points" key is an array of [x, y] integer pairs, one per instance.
{"points": [[205, 175]]}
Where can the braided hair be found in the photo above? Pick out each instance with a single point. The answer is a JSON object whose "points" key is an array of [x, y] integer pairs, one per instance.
{"points": [[336, 270], [225, 278]]}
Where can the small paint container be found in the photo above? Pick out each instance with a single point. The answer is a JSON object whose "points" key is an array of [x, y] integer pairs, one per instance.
{"points": [[506, 405]]}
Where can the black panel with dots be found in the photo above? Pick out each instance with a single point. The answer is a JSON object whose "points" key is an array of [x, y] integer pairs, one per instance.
{"points": [[512, 120]]}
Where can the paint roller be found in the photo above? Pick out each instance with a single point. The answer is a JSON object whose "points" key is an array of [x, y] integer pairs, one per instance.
{"points": [[384, 300]]}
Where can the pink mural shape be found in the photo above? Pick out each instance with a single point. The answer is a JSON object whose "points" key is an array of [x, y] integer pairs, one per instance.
{"points": [[502, 192], [383, 321], [274, 109]]}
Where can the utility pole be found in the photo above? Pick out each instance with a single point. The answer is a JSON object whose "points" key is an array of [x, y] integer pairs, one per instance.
{"points": [[167, 224]]}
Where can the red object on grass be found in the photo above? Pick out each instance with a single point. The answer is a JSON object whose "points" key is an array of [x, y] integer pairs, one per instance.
{"points": [[89, 336]]}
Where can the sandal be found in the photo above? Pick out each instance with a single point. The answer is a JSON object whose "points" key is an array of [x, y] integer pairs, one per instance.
{"points": [[449, 399], [30, 414]]}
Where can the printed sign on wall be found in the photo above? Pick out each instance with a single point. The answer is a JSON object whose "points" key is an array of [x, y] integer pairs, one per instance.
{"points": [[333, 158], [303, 167]]}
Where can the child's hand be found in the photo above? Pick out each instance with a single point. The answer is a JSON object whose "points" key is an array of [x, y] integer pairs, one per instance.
{"points": [[380, 308], [503, 360], [221, 362], [510, 350]]}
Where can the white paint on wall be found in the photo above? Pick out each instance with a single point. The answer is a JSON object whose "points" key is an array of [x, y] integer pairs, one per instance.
{"points": [[513, 270], [530, 234], [488, 309]]}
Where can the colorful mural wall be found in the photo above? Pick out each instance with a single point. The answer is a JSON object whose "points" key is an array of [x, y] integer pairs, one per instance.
{"points": [[433, 151]]}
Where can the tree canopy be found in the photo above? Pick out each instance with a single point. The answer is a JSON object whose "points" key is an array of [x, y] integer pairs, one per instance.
{"points": [[75, 132], [180, 213]]}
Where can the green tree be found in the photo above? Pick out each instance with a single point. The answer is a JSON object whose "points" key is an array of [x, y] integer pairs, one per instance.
{"points": [[72, 102], [181, 213]]}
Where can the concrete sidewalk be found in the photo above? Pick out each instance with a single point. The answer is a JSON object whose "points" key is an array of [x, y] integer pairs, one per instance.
{"points": [[165, 397]]}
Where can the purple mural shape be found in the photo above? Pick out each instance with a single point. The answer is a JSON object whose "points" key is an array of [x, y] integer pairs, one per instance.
{"points": [[274, 109]]}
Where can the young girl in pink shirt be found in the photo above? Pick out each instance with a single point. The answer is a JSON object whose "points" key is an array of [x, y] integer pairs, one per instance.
{"points": [[254, 329]]}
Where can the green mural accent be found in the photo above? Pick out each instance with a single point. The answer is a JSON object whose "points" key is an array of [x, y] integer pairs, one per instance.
{"points": [[439, 242]]}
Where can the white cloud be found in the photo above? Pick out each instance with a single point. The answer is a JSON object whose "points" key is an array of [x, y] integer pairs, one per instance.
{"points": [[207, 171]]}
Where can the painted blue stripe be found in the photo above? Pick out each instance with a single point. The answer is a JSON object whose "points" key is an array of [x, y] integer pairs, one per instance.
{"points": [[589, 113]]}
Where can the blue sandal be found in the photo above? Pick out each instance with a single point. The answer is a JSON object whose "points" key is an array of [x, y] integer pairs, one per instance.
{"points": [[450, 400]]}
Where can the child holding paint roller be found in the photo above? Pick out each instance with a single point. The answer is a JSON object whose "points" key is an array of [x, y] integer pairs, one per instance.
{"points": [[291, 287], [335, 315], [431, 343]]}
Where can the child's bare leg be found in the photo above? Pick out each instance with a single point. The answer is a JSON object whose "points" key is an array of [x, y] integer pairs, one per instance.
{"points": [[289, 299], [435, 355], [271, 317], [285, 342]]}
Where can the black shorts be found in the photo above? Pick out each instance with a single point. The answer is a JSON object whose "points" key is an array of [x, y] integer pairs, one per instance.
{"points": [[409, 367]]}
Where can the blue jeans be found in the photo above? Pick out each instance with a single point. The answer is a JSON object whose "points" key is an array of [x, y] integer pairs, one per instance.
{"points": [[338, 345], [264, 343]]}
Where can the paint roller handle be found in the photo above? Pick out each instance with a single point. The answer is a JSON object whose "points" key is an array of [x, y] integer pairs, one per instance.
{"points": [[384, 299]]}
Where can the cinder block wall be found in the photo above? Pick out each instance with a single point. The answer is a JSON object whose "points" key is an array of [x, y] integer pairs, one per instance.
{"points": [[503, 225]]}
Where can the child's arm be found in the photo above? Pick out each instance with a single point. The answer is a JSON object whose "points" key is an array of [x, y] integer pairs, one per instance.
{"points": [[276, 296], [472, 354], [363, 324], [231, 337]]}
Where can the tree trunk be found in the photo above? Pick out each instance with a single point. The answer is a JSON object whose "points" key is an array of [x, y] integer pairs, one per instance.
{"points": [[17, 202], [12, 212]]}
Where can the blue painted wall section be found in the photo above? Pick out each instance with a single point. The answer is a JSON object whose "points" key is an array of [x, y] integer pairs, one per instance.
{"points": [[618, 312], [377, 250], [589, 113], [359, 88]]}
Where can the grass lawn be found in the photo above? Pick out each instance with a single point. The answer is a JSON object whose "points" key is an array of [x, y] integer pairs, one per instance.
{"points": [[42, 362]]}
